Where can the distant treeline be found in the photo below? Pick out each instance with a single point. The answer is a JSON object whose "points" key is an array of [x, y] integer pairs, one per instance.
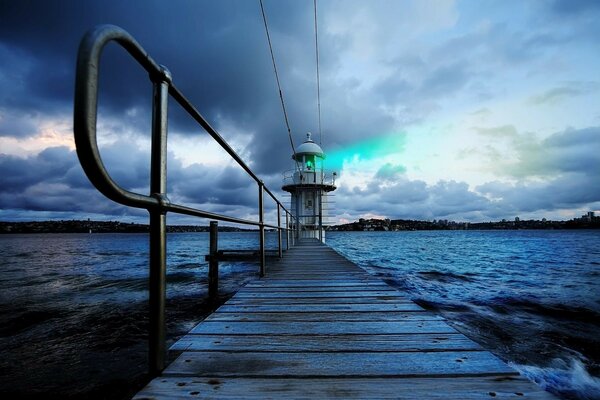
{"points": [[77, 226], [591, 222]]}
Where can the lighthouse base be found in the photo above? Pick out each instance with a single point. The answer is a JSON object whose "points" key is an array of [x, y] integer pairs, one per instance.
{"points": [[312, 234]]}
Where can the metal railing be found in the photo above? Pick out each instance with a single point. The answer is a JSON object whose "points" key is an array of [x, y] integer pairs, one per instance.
{"points": [[317, 176], [157, 203]]}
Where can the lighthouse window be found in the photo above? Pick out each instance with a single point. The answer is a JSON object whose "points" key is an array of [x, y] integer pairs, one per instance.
{"points": [[308, 203], [309, 165]]}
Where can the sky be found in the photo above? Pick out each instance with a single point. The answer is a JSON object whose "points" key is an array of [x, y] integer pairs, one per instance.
{"points": [[459, 110]]}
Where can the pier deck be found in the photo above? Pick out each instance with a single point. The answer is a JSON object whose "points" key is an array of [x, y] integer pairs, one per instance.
{"points": [[318, 326]]}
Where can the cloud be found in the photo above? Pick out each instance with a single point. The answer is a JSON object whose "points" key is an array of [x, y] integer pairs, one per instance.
{"points": [[53, 180], [565, 192], [570, 151], [554, 96], [407, 198], [505, 131], [18, 124], [482, 112], [389, 172]]}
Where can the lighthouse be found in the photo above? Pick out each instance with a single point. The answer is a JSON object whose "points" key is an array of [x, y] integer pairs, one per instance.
{"points": [[309, 184]]}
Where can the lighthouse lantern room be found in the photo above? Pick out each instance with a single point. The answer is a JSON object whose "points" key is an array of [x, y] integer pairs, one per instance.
{"points": [[309, 184]]}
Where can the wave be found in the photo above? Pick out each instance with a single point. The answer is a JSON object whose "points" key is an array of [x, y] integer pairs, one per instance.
{"points": [[552, 310], [438, 306], [443, 276], [567, 379]]}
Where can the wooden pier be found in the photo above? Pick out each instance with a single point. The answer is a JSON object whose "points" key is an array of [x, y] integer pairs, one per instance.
{"points": [[318, 326]]}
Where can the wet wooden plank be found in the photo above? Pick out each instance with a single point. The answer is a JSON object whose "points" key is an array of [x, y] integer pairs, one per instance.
{"points": [[340, 365], [331, 295], [303, 289], [320, 328], [332, 307], [321, 300], [326, 343], [317, 285], [458, 388], [324, 316]]}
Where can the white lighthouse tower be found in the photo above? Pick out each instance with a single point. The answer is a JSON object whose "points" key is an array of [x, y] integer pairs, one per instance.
{"points": [[309, 185]]}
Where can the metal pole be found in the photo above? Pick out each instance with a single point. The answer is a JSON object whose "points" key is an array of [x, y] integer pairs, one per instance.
{"points": [[158, 225], [297, 206], [261, 237], [213, 263], [319, 194], [287, 231], [279, 230]]}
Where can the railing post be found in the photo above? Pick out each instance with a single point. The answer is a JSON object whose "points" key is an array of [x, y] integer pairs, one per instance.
{"points": [[320, 195], [213, 263], [261, 220], [287, 231], [158, 225], [279, 230]]}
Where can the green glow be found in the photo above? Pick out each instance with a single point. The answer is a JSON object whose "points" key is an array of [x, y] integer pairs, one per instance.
{"points": [[368, 149]]}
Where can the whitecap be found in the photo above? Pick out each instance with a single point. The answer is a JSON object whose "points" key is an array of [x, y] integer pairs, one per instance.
{"points": [[564, 377]]}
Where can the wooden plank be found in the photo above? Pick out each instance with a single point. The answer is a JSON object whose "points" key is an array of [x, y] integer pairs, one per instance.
{"points": [[326, 343], [398, 364], [332, 295], [321, 300], [299, 289], [320, 328], [324, 317], [463, 388], [316, 276], [299, 283], [335, 307]]}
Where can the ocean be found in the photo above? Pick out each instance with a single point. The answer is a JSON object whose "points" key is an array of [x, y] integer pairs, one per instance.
{"points": [[73, 307]]}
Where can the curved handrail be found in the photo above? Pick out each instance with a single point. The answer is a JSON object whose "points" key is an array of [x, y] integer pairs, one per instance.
{"points": [[85, 119], [86, 110]]}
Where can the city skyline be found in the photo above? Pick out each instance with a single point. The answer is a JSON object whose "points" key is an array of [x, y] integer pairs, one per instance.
{"points": [[430, 110]]}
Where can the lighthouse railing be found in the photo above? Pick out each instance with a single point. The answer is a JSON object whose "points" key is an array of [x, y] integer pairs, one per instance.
{"points": [[157, 202], [309, 177]]}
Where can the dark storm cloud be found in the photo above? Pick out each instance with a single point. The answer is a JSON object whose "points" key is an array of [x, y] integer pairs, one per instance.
{"points": [[569, 191], [218, 55], [216, 52], [49, 165], [199, 184], [407, 198], [54, 181], [50, 181]]}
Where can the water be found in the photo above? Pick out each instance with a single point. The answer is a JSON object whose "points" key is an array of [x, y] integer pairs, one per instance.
{"points": [[73, 306], [531, 297]]}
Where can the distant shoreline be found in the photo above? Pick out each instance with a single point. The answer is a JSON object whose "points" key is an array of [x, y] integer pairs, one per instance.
{"points": [[589, 221], [83, 226]]}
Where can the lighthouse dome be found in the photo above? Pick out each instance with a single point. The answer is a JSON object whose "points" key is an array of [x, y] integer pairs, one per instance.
{"points": [[309, 147]]}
